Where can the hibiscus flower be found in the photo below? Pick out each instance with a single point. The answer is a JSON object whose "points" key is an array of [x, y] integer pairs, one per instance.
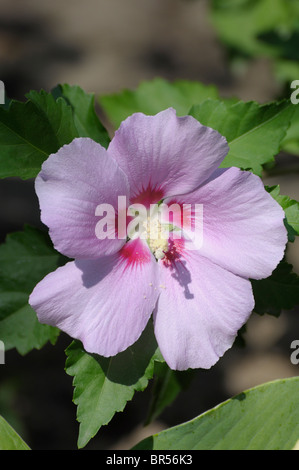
{"points": [[200, 295]]}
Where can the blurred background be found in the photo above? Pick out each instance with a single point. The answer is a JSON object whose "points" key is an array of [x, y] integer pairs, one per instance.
{"points": [[105, 46]]}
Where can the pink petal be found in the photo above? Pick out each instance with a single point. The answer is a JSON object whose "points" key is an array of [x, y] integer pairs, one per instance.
{"points": [[200, 309], [243, 228], [71, 184], [105, 303], [165, 154]]}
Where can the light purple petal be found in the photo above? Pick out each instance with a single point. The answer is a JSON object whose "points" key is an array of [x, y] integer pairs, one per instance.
{"points": [[71, 184], [164, 155], [105, 303], [200, 309], [243, 228]]}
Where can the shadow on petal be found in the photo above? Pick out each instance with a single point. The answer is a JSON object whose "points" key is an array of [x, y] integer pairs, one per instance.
{"points": [[183, 276], [94, 271]]}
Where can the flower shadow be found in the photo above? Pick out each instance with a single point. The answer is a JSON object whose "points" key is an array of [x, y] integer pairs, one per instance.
{"points": [[183, 276], [177, 265], [94, 271], [132, 367]]}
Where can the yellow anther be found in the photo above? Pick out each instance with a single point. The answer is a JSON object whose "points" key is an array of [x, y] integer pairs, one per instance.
{"points": [[157, 237]]}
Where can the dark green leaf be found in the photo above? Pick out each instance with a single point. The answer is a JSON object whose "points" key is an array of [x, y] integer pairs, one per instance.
{"points": [[277, 292], [25, 259], [31, 131], [85, 117]]}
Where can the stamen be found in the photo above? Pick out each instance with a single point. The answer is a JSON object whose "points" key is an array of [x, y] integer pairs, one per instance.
{"points": [[157, 237], [153, 231]]}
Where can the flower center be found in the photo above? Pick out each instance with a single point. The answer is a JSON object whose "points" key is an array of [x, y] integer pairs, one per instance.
{"points": [[157, 236], [147, 226]]}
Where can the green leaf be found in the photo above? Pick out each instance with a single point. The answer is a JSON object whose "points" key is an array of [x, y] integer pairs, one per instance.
{"points": [[25, 258], [278, 292], [58, 116], [254, 132], [103, 386], [260, 28], [85, 117], [241, 23], [167, 386], [9, 439], [290, 143], [291, 209], [153, 96], [262, 418], [22, 331], [30, 131]]}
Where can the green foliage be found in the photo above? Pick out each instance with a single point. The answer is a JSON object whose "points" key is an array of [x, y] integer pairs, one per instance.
{"points": [[83, 107], [263, 418], [25, 259], [31, 131], [291, 209], [290, 143], [263, 28], [257, 27], [254, 132], [9, 439], [103, 386], [280, 291], [153, 96], [277, 292], [168, 384]]}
